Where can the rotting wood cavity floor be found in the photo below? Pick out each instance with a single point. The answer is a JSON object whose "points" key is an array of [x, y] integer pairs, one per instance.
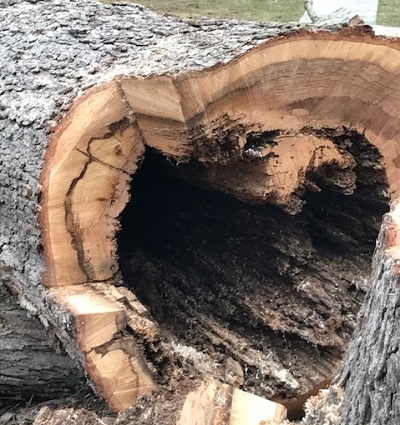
{"points": [[269, 300]]}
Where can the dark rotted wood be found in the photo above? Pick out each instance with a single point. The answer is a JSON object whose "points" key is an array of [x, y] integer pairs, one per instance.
{"points": [[44, 68], [366, 389], [269, 290]]}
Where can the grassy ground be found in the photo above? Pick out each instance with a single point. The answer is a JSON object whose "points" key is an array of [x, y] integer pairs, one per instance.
{"points": [[259, 10], [389, 13]]}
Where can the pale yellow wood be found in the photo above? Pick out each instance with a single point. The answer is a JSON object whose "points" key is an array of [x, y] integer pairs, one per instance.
{"points": [[155, 99], [119, 374], [97, 319], [214, 403], [114, 361], [87, 185], [99, 198]]}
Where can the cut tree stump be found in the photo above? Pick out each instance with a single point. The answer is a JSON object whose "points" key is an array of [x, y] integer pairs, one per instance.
{"points": [[299, 124]]}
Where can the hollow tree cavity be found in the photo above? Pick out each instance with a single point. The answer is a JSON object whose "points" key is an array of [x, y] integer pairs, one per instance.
{"points": [[231, 279]]}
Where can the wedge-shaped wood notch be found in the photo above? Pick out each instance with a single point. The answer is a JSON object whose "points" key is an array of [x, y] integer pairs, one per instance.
{"points": [[112, 357], [214, 403]]}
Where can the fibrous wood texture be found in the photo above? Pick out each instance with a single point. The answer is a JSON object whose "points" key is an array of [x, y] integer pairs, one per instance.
{"points": [[268, 114], [219, 404], [249, 283]]}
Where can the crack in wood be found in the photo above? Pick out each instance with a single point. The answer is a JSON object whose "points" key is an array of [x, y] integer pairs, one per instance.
{"points": [[71, 223], [73, 228], [225, 402], [99, 161], [207, 138], [131, 114]]}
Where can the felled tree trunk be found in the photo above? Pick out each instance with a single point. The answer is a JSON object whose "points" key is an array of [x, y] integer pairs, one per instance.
{"points": [[269, 114]]}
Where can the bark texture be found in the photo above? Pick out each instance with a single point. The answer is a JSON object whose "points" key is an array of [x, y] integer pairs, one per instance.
{"points": [[32, 366], [367, 387], [51, 52], [71, 46], [370, 372]]}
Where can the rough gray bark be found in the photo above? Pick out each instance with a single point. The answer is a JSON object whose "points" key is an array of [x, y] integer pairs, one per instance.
{"points": [[371, 369], [31, 366], [367, 387]]}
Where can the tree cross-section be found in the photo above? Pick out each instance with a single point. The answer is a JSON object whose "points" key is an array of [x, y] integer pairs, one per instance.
{"points": [[86, 88]]}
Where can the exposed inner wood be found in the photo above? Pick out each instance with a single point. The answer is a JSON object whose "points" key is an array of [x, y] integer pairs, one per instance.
{"points": [[110, 326], [276, 294], [218, 404], [95, 149], [271, 126], [207, 115]]}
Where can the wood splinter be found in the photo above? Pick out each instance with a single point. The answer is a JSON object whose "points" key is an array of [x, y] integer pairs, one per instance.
{"points": [[215, 403]]}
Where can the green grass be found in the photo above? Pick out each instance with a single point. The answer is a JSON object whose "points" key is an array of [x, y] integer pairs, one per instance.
{"points": [[258, 10], [389, 13]]}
